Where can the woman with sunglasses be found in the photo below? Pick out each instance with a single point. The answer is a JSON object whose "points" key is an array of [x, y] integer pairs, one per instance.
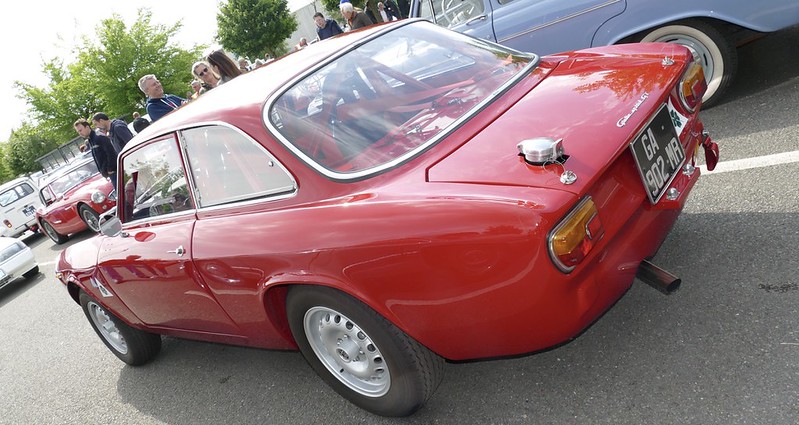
{"points": [[202, 70]]}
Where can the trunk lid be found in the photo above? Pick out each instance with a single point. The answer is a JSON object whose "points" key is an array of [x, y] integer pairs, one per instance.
{"points": [[596, 100]]}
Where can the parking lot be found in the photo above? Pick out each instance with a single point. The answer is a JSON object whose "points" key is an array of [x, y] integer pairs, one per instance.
{"points": [[723, 350]]}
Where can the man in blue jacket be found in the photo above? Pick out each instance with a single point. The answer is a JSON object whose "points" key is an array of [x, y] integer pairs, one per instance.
{"points": [[103, 152], [158, 103], [116, 129]]}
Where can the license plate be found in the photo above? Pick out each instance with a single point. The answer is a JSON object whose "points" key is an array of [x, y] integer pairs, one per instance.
{"points": [[29, 210], [658, 154]]}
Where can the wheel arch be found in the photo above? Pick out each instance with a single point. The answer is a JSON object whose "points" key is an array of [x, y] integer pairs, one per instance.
{"points": [[619, 32], [276, 295]]}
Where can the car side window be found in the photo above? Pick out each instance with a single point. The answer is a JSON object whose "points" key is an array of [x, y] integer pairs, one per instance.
{"points": [[228, 166], [154, 181], [449, 13]]}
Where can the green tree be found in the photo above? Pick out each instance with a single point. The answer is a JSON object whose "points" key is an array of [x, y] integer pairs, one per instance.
{"points": [[252, 28], [19, 153], [123, 55], [104, 78]]}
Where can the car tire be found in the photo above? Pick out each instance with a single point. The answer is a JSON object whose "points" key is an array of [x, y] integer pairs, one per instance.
{"points": [[48, 230], [90, 217], [131, 345], [364, 357], [31, 273], [719, 57]]}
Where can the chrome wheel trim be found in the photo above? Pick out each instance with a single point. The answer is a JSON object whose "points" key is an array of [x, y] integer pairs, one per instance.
{"points": [[701, 45], [347, 351], [91, 220], [49, 230], [108, 329]]}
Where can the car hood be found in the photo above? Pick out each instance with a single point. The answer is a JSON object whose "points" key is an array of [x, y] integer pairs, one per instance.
{"points": [[596, 100]]}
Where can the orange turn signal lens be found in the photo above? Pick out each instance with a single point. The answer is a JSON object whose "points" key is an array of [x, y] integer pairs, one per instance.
{"points": [[574, 237], [692, 86]]}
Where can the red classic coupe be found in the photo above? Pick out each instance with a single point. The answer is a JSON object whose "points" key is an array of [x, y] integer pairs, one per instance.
{"points": [[73, 198], [379, 199]]}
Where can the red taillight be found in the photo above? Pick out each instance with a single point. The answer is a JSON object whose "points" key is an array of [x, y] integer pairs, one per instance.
{"points": [[8, 224]]}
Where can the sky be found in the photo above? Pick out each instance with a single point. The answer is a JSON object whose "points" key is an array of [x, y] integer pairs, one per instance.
{"points": [[35, 31]]}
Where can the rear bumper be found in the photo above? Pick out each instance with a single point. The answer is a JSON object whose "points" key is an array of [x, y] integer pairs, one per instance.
{"points": [[544, 307], [16, 267]]}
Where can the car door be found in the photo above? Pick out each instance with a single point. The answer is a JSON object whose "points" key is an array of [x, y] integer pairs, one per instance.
{"points": [[149, 265], [471, 17], [238, 185], [551, 26], [539, 26]]}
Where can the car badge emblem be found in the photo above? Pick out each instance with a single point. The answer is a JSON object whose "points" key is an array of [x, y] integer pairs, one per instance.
{"points": [[623, 120], [667, 61]]}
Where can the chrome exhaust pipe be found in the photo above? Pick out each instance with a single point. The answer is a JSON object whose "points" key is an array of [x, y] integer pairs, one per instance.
{"points": [[657, 278]]}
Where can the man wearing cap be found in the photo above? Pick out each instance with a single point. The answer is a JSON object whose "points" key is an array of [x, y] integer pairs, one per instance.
{"points": [[116, 129]]}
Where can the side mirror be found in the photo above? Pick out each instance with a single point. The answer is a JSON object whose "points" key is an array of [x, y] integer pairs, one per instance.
{"points": [[112, 226]]}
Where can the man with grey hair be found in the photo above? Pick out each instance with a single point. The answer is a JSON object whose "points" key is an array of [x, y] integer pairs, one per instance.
{"points": [[354, 18], [158, 103]]}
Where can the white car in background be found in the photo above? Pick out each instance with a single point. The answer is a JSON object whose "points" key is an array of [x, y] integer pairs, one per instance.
{"points": [[19, 201], [16, 261]]}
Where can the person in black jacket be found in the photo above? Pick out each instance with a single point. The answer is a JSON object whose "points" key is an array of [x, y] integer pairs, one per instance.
{"points": [[117, 130], [103, 152], [326, 28]]}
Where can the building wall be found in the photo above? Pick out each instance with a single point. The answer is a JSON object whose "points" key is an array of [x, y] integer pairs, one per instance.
{"points": [[305, 24]]}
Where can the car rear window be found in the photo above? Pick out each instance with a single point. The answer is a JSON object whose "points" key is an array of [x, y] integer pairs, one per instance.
{"points": [[384, 101], [14, 194]]}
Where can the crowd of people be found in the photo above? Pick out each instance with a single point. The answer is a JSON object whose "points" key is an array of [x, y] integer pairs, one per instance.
{"points": [[109, 136]]}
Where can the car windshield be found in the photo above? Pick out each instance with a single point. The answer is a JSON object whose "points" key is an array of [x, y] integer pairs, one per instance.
{"points": [[390, 98], [70, 179]]}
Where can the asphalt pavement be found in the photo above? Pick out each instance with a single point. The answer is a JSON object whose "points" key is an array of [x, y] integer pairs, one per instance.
{"points": [[723, 350]]}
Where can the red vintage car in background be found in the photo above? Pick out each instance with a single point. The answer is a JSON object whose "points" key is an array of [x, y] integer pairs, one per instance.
{"points": [[74, 196], [396, 197]]}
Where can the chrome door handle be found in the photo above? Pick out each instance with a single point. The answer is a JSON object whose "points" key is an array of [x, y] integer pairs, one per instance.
{"points": [[476, 19], [180, 251]]}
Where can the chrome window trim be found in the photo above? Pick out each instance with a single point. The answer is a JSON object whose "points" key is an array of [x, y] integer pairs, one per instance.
{"points": [[190, 175], [270, 102], [292, 191]]}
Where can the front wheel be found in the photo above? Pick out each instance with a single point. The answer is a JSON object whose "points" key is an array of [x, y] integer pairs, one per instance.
{"points": [[58, 238], [132, 346], [90, 217], [718, 56], [360, 354]]}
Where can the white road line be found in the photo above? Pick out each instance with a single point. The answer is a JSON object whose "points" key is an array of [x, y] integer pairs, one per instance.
{"points": [[756, 162]]}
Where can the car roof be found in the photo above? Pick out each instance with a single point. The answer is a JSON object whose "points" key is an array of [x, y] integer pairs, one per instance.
{"points": [[15, 182], [245, 95]]}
